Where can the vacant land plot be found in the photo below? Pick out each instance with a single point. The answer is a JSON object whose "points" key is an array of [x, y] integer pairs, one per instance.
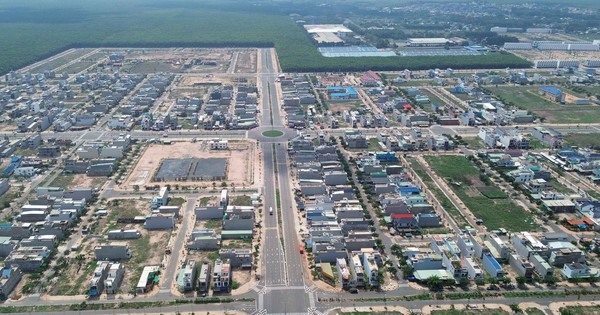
{"points": [[534, 311], [463, 178], [246, 62], [583, 139], [69, 181], [580, 310], [474, 143], [239, 159], [243, 200], [337, 106], [528, 98], [439, 195], [470, 312]]}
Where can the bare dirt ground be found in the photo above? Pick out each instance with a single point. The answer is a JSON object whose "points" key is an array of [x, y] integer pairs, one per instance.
{"points": [[195, 81], [144, 60], [556, 55], [570, 98], [241, 161], [246, 62], [327, 80]]}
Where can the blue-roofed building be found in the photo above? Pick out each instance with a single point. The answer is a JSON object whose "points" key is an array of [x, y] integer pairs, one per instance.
{"points": [[409, 190], [9, 279], [386, 156], [492, 267], [338, 93], [552, 94]]}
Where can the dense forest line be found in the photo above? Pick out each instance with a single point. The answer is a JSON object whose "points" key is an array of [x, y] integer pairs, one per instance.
{"points": [[34, 30]]}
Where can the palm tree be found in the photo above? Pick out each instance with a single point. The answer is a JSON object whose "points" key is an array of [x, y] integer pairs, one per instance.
{"points": [[434, 283]]}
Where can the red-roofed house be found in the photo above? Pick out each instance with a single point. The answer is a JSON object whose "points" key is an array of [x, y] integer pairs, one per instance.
{"points": [[403, 221], [370, 78]]}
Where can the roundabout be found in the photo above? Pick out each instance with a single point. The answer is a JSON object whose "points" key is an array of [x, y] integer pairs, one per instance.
{"points": [[272, 133]]}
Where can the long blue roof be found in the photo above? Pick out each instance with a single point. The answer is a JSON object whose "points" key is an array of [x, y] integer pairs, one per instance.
{"points": [[551, 89]]}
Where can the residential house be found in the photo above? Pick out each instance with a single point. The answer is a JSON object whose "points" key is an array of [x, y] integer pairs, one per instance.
{"points": [[160, 221], [204, 240], [221, 276], [148, 279], [113, 251], [9, 278], [576, 270], [113, 280], [204, 278], [96, 285], [186, 279], [492, 267], [239, 257]]}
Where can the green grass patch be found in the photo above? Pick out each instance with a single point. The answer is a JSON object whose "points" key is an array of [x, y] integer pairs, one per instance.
{"points": [[141, 249], [243, 200], [374, 145], [495, 213], [439, 195], [583, 139], [203, 202], [62, 180], [122, 208], [580, 310], [474, 143], [534, 311], [528, 98], [272, 133], [492, 192], [213, 224], [493, 311], [177, 201]]}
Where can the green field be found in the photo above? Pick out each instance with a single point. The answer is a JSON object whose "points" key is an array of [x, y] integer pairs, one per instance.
{"points": [[580, 310], [534, 311], [526, 97], [493, 311], [583, 139], [439, 195], [485, 200], [37, 29]]}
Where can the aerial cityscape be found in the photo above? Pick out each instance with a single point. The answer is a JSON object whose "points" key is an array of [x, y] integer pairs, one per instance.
{"points": [[300, 157]]}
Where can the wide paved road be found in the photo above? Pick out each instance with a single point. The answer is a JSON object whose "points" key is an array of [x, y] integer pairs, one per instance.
{"points": [[283, 290]]}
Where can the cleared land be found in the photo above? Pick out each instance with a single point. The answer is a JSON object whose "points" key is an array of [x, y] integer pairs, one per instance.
{"points": [[70, 181], [528, 98], [496, 212], [240, 165], [583, 139]]}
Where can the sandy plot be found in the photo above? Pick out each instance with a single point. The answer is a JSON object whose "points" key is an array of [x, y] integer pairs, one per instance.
{"points": [[240, 161], [246, 62], [196, 81]]}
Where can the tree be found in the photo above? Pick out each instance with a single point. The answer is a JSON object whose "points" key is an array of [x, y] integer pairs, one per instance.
{"points": [[463, 282], [521, 280], [434, 283], [407, 271], [515, 308], [136, 187], [506, 280]]}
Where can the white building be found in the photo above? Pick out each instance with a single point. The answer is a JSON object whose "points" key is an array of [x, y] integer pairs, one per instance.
{"points": [[216, 144]]}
